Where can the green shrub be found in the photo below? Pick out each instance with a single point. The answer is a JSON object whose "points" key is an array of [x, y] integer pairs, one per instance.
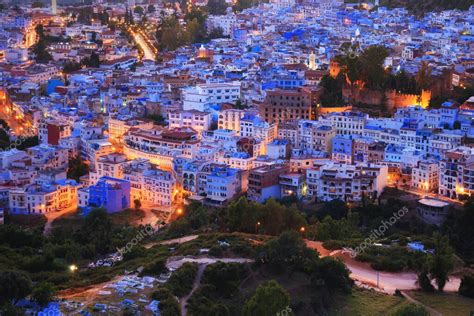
{"points": [[181, 281], [467, 286], [411, 310]]}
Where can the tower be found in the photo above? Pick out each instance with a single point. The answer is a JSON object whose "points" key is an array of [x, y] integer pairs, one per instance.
{"points": [[54, 9], [312, 61]]}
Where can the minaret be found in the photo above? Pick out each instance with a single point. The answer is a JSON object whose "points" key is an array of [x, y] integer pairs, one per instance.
{"points": [[202, 53], [54, 9], [312, 61]]}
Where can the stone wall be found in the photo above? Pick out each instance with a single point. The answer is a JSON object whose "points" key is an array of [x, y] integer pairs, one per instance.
{"points": [[393, 99]]}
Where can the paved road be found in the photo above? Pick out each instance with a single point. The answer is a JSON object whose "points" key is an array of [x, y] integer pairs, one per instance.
{"points": [[147, 50], [386, 281]]}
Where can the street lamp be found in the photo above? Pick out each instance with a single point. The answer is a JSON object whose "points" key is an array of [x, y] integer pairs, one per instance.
{"points": [[256, 227], [72, 268], [302, 230], [179, 211]]}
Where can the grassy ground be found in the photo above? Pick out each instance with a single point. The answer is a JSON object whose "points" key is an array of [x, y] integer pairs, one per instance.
{"points": [[448, 304], [75, 220], [367, 303], [30, 220], [70, 220], [127, 216]]}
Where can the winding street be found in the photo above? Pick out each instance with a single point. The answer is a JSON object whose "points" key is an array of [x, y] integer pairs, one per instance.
{"points": [[148, 52], [361, 272], [387, 282]]}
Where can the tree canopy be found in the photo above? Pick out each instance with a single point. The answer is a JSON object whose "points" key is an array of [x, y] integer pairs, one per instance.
{"points": [[270, 299]]}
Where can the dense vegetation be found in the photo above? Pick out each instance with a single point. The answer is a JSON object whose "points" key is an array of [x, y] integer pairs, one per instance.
{"points": [[39, 264], [423, 6], [365, 69]]}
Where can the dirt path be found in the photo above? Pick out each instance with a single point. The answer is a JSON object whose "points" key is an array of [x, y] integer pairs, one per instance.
{"points": [[172, 241], [432, 311], [52, 216], [197, 282], [174, 263]]}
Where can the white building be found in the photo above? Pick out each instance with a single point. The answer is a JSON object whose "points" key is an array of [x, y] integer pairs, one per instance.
{"points": [[197, 120], [346, 182], [225, 22], [425, 176], [159, 188], [456, 173], [347, 123], [45, 198], [230, 119], [202, 96]]}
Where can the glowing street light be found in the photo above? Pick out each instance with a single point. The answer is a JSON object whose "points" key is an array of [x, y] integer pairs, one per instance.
{"points": [[72, 268], [179, 211]]}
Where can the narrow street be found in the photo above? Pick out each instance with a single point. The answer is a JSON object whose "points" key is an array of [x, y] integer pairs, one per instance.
{"points": [[148, 52]]}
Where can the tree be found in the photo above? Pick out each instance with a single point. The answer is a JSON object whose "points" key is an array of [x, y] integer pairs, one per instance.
{"points": [[217, 7], [42, 55], [332, 92], [198, 217], [43, 293], [287, 253], [424, 282], [155, 268], [241, 5], [441, 262], [423, 76], [331, 274], [4, 139], [467, 286], [196, 31], [242, 216], [171, 35], [37, 4], [96, 231], [77, 168], [270, 299], [138, 10], [137, 203], [14, 286], [337, 209], [458, 226], [372, 70], [181, 281], [168, 304], [224, 277], [71, 66], [92, 61]]}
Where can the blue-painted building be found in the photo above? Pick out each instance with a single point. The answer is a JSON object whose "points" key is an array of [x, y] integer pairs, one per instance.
{"points": [[342, 149], [109, 193]]}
